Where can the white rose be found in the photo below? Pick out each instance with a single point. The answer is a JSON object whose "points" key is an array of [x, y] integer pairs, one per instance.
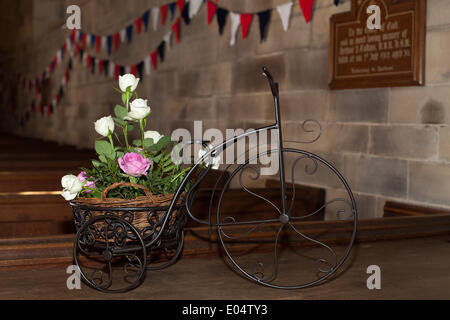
{"points": [[104, 126], [128, 80], [138, 110], [72, 186], [153, 135], [215, 162]]}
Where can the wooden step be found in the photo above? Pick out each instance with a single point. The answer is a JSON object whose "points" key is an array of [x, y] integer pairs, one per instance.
{"points": [[25, 181]]}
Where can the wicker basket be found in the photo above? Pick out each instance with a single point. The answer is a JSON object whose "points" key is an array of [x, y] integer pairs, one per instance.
{"points": [[140, 219]]}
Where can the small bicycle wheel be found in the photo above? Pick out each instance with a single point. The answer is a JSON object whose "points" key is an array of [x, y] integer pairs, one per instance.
{"points": [[294, 247], [167, 255], [110, 254]]}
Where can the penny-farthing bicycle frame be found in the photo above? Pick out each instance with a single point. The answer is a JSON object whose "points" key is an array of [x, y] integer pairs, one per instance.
{"points": [[283, 221]]}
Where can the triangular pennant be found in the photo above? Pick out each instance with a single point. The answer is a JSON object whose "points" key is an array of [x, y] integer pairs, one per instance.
{"points": [[89, 61], [306, 6], [139, 25], [98, 42], [122, 70], [212, 8], [72, 37], [167, 38], [103, 42], [180, 4], [264, 20], [163, 11], [116, 41], [109, 40], [154, 57], [100, 67], [221, 19], [145, 17], [106, 67], [129, 33], [93, 62], [147, 65], [176, 29], [194, 7], [116, 72], [92, 38], [112, 69], [285, 14], [161, 50], [123, 35], [155, 15], [172, 7], [246, 20], [336, 2], [235, 23], [83, 41], [185, 13], [133, 70], [140, 69]]}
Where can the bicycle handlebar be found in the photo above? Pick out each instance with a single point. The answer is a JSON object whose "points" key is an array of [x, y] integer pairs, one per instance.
{"points": [[273, 85]]}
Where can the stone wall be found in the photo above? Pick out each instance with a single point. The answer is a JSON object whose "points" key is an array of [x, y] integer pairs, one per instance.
{"points": [[390, 143]]}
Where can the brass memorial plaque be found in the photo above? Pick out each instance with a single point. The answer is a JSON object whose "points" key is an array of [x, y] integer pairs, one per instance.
{"points": [[391, 56]]}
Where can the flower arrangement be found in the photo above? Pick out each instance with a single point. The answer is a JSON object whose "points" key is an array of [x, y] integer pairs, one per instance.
{"points": [[145, 161]]}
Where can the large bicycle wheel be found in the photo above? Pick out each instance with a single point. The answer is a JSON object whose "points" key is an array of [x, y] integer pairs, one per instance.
{"points": [[300, 246]]}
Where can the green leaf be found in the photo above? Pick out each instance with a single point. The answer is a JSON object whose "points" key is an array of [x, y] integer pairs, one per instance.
{"points": [[124, 98], [96, 163], [162, 144], [130, 127], [148, 142], [120, 112], [119, 122], [137, 142], [103, 159], [103, 148]]}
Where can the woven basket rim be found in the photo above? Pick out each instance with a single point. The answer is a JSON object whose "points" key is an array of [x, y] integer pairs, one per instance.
{"points": [[141, 201]]}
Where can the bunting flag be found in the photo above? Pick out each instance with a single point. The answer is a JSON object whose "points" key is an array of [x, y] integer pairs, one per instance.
{"points": [[154, 57], [235, 23], [116, 41], [155, 15], [161, 50], [109, 44], [145, 17], [221, 19], [103, 42], [98, 43], [176, 29], [212, 8], [139, 25], [180, 4], [163, 11], [167, 38], [264, 20], [172, 7], [92, 38], [285, 14], [336, 2], [194, 7], [246, 20], [139, 68], [185, 13], [129, 33], [306, 6], [133, 70], [123, 35], [147, 65]]}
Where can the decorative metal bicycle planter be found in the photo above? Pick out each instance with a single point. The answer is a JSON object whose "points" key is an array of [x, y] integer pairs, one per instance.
{"points": [[113, 253]]}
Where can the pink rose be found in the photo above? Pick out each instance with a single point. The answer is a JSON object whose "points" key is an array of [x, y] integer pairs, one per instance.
{"points": [[82, 176], [134, 164]]}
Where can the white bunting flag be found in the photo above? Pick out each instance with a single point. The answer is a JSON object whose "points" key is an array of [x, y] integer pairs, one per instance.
{"points": [[167, 38], [235, 23], [63, 81], [285, 13], [68, 45], [127, 69], [58, 56], [123, 35], [111, 69], [194, 7], [155, 15], [147, 65], [103, 42]]}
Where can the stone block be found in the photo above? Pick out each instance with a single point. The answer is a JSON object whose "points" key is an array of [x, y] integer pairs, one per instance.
{"points": [[429, 182], [380, 176], [303, 105], [404, 141], [436, 58], [307, 69], [359, 105], [247, 73], [444, 143]]}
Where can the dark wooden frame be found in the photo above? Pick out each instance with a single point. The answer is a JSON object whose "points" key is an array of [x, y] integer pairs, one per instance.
{"points": [[417, 75]]}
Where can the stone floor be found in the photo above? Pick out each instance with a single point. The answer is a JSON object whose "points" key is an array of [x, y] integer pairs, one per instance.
{"points": [[410, 269]]}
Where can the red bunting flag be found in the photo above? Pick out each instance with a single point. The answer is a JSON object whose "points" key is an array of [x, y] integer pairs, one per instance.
{"points": [[180, 4], [66, 75], [212, 8], [139, 25], [98, 42], [83, 41], [306, 6], [116, 72], [89, 62], [116, 41], [246, 20], [134, 70], [55, 62], [176, 29], [77, 49], [100, 67], [154, 56], [49, 110], [74, 31], [163, 11], [39, 109]]}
